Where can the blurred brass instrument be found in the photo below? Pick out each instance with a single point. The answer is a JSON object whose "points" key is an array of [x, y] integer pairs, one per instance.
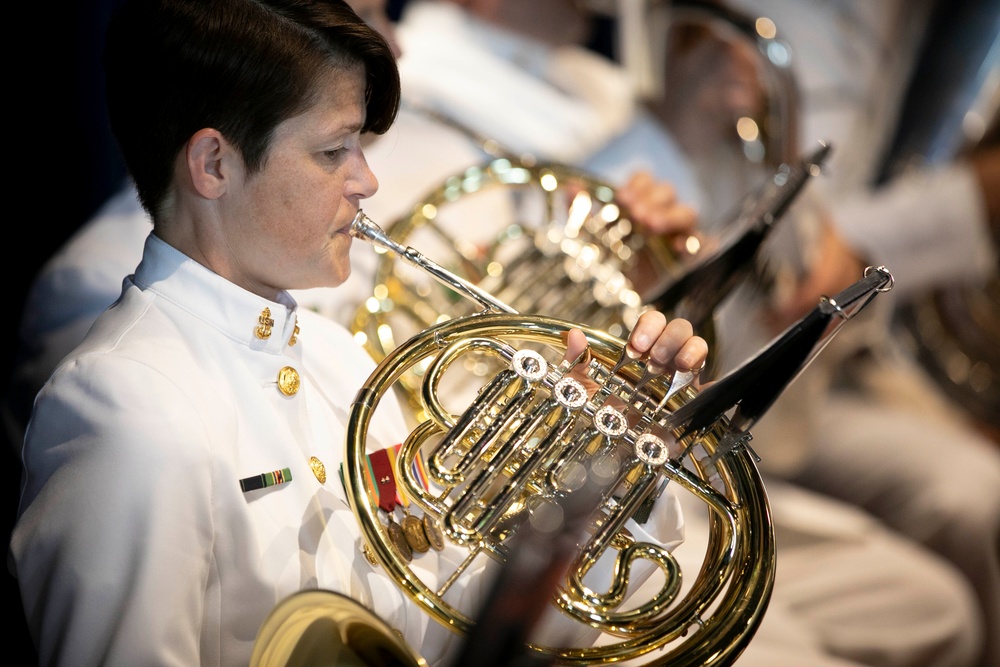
{"points": [[697, 45], [527, 441], [553, 241], [322, 628]]}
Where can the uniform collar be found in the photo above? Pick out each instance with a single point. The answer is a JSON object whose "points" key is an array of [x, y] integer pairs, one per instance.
{"points": [[259, 323]]}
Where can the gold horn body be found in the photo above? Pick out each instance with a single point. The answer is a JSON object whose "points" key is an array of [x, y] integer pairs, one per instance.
{"points": [[482, 460]]}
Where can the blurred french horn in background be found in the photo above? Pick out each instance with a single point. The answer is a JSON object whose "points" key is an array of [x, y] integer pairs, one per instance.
{"points": [[552, 240], [723, 83], [718, 73], [544, 238]]}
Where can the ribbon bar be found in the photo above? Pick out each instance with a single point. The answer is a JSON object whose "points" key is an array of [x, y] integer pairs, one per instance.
{"points": [[265, 479]]}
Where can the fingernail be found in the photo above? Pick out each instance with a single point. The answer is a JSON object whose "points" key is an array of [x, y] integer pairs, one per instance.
{"points": [[684, 363], [642, 340]]}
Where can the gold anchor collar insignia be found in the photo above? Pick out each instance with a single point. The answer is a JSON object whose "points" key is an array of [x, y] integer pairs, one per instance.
{"points": [[264, 324]]}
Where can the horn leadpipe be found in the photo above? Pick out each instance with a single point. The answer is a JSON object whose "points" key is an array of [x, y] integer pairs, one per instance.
{"points": [[365, 229]]}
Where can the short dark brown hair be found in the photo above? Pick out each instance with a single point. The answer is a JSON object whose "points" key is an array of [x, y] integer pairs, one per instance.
{"points": [[240, 66]]}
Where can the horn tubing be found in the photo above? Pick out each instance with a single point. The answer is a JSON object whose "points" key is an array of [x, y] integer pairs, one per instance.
{"points": [[365, 229], [709, 626]]}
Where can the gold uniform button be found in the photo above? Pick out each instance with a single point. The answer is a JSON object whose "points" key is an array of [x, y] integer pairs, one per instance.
{"points": [[288, 381], [318, 469]]}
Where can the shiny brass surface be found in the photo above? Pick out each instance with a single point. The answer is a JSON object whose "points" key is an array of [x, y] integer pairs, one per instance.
{"points": [[325, 628], [486, 465], [318, 469], [501, 445]]}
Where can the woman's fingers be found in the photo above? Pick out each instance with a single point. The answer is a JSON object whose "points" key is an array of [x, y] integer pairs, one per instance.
{"points": [[669, 345]]}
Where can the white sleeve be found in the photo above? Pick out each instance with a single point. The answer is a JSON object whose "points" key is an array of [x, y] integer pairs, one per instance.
{"points": [[927, 227], [75, 286], [113, 544]]}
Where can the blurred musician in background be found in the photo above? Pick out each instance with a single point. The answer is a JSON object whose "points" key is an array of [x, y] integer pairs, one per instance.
{"points": [[868, 424], [579, 109]]}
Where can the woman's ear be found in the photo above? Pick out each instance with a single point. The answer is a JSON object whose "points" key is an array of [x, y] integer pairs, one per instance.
{"points": [[211, 162]]}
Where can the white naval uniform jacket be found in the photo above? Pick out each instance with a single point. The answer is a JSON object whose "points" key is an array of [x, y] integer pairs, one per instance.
{"points": [[135, 544]]}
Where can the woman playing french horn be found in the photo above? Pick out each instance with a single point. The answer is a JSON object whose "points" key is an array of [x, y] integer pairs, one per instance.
{"points": [[181, 466]]}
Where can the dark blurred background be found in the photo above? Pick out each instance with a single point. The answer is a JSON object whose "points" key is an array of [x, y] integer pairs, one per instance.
{"points": [[66, 163]]}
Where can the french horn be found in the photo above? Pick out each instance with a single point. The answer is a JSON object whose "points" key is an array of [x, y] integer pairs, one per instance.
{"points": [[529, 439], [577, 454]]}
